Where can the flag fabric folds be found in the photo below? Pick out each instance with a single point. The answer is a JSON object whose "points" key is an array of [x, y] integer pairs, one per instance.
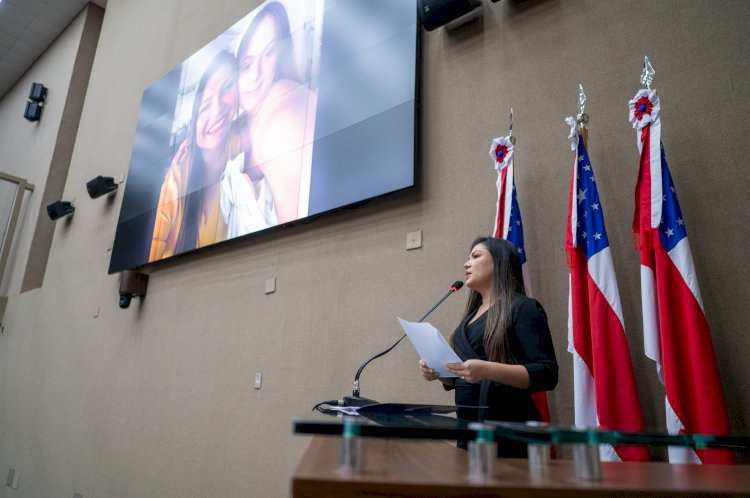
{"points": [[605, 393], [508, 226], [676, 334]]}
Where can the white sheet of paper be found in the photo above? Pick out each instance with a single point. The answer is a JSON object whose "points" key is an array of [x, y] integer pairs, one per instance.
{"points": [[346, 410], [431, 346]]}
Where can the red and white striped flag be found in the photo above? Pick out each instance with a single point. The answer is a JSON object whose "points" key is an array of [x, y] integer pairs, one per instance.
{"points": [[603, 383], [508, 226], [676, 334]]}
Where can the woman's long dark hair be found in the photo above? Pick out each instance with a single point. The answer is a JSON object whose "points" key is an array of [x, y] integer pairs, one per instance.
{"points": [[287, 68], [188, 238], [507, 281]]}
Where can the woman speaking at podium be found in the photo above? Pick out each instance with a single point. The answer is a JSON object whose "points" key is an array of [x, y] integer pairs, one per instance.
{"points": [[504, 342]]}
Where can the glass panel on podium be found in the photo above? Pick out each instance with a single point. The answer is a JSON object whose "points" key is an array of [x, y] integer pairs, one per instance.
{"points": [[423, 421]]}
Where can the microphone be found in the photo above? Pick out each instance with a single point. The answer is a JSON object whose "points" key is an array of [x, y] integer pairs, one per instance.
{"points": [[355, 399]]}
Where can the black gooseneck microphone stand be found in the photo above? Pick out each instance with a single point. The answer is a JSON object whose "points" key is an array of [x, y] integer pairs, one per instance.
{"points": [[355, 399]]}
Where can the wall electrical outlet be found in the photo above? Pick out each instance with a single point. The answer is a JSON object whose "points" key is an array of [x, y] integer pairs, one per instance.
{"points": [[414, 240], [258, 379], [13, 477], [271, 285]]}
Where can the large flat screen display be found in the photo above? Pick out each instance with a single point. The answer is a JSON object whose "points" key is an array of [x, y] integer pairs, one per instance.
{"points": [[301, 107]]}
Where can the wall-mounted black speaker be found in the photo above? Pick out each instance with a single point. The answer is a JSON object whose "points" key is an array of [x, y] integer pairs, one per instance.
{"points": [[58, 209], [38, 92], [37, 96], [436, 13], [101, 185], [33, 111]]}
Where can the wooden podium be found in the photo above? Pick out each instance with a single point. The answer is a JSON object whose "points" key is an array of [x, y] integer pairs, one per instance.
{"points": [[399, 467]]}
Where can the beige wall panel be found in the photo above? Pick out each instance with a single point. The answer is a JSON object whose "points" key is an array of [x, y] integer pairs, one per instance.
{"points": [[158, 400], [26, 148]]}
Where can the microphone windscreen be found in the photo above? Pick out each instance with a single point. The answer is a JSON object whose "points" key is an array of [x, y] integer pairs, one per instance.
{"points": [[457, 285]]}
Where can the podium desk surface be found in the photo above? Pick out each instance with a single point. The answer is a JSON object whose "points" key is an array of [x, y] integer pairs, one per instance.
{"points": [[415, 468]]}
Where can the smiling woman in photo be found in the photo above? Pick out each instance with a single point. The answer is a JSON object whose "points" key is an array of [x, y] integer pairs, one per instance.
{"points": [[188, 214]]}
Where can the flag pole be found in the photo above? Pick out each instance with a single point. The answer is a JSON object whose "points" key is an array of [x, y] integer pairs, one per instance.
{"points": [[604, 386], [675, 327]]}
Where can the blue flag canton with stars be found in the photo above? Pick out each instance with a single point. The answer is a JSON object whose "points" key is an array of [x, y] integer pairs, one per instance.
{"points": [[590, 231], [672, 227], [515, 226]]}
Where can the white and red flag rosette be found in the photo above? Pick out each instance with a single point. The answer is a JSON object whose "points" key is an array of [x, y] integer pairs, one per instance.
{"points": [[501, 154], [644, 116]]}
